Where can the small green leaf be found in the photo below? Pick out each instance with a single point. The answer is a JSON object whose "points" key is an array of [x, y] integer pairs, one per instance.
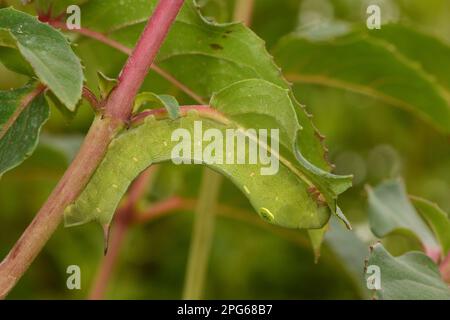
{"points": [[391, 211], [412, 276], [105, 84], [19, 125], [154, 101], [48, 52], [437, 219]]}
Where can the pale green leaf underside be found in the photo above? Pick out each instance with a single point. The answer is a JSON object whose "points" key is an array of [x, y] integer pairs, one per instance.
{"points": [[21, 137], [391, 211], [412, 276], [48, 52]]}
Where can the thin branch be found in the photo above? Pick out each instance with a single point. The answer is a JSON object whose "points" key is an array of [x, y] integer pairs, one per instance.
{"points": [[90, 97], [117, 108], [164, 207], [243, 11], [176, 204], [123, 218], [26, 101]]}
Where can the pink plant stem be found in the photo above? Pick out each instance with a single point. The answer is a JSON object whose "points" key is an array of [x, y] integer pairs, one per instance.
{"points": [[117, 111]]}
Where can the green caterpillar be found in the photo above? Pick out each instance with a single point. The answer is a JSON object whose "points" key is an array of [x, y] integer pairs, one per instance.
{"points": [[137, 148]]}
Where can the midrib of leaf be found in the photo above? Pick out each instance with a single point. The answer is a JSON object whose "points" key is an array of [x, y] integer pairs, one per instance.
{"points": [[198, 53], [329, 81]]}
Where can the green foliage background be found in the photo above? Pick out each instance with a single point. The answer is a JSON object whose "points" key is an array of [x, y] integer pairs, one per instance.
{"points": [[366, 138]]}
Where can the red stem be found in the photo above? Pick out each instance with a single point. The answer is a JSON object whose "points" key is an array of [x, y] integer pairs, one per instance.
{"points": [[90, 97]]}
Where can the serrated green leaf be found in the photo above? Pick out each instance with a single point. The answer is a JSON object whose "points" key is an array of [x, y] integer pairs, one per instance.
{"points": [[368, 66], [48, 52], [412, 276], [154, 101], [437, 219], [19, 126], [225, 54], [391, 211]]}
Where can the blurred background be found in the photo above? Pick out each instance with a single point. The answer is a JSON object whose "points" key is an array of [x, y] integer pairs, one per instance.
{"points": [[249, 260]]}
